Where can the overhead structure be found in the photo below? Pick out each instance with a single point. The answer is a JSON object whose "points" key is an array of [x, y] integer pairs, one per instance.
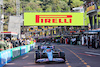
{"points": [[92, 10], [53, 19], [1, 16], [17, 7], [14, 26]]}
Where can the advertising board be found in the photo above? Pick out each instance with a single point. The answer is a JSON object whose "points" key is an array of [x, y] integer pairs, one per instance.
{"points": [[15, 53], [28, 48], [23, 50], [5, 57], [53, 19], [31, 46], [8, 55], [91, 7]]}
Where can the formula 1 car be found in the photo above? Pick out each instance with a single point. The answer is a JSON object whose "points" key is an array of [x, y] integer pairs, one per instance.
{"points": [[44, 45], [49, 55]]}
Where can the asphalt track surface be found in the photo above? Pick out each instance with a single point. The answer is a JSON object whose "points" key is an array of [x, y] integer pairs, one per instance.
{"points": [[76, 56]]}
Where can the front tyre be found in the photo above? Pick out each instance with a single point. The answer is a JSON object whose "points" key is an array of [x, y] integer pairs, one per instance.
{"points": [[37, 56], [62, 55]]}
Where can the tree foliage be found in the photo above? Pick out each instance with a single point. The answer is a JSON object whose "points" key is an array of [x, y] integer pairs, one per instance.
{"points": [[76, 3], [40, 5]]}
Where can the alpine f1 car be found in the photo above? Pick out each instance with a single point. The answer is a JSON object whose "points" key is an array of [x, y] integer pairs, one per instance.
{"points": [[49, 55]]}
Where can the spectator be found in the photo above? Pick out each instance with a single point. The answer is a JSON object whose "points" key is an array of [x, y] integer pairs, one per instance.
{"points": [[9, 43], [88, 42], [31, 41], [60, 40], [28, 41], [20, 42], [17, 42], [25, 41], [63, 40], [13, 42], [2, 45], [93, 42]]}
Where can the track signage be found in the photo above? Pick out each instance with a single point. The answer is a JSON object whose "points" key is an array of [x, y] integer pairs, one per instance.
{"points": [[53, 19]]}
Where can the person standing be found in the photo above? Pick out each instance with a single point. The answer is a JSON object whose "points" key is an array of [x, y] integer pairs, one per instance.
{"points": [[28, 41], [31, 41], [2, 45], [17, 42], [60, 40], [9, 43], [82, 40], [25, 41], [20, 42], [89, 42], [13, 42]]}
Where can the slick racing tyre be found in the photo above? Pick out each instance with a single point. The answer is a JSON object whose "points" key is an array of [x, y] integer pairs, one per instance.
{"points": [[37, 56], [62, 55]]}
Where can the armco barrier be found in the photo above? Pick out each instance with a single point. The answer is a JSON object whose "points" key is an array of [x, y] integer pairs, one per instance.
{"points": [[31, 46], [11, 54], [5, 57], [16, 52], [34, 45], [23, 50], [28, 48]]}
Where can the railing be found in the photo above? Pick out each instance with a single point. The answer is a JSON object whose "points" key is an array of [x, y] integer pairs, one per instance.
{"points": [[8, 55]]}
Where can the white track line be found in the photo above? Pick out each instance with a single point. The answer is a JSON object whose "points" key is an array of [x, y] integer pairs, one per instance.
{"points": [[92, 53]]}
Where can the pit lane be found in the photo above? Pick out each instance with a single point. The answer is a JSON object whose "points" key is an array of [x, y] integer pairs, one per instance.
{"points": [[73, 58]]}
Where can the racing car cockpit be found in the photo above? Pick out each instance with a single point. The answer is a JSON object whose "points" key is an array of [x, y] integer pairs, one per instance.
{"points": [[45, 45]]}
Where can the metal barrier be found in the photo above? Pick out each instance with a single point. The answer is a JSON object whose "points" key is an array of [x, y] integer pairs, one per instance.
{"points": [[8, 55]]}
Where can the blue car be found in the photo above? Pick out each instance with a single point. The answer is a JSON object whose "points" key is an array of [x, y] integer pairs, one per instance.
{"points": [[49, 55]]}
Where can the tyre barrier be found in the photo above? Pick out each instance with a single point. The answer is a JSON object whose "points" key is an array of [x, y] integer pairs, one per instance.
{"points": [[8, 55]]}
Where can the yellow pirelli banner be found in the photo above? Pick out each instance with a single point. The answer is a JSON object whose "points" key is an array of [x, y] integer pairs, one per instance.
{"points": [[53, 19]]}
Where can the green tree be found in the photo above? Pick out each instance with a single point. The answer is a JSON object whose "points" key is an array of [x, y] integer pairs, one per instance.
{"points": [[76, 3], [39, 5]]}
